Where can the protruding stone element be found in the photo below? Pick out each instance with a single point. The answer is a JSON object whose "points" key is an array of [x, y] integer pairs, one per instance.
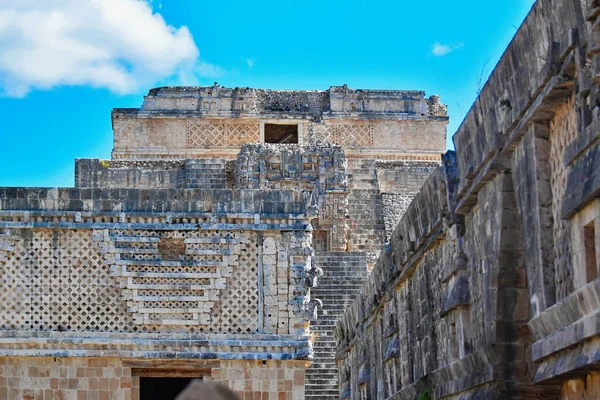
{"points": [[269, 246], [311, 309], [312, 276], [435, 108], [457, 294], [392, 348], [364, 374]]}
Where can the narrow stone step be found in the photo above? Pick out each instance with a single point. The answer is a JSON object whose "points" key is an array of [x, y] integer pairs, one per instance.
{"points": [[322, 391], [206, 173], [344, 277]]}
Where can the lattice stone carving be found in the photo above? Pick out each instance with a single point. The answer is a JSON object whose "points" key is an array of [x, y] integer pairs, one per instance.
{"points": [[326, 134], [563, 130], [56, 280], [60, 280], [207, 134], [239, 311], [348, 135], [239, 134], [185, 278], [15, 295]]}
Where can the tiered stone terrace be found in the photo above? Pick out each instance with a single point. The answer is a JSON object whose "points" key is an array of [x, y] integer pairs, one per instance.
{"points": [[197, 250]]}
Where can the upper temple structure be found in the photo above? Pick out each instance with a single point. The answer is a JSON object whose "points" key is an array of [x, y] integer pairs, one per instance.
{"points": [[192, 122], [321, 244]]}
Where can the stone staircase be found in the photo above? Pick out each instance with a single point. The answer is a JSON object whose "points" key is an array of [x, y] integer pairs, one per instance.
{"points": [[344, 275], [206, 173]]}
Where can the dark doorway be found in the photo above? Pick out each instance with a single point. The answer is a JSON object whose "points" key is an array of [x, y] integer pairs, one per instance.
{"points": [[283, 134], [162, 388]]}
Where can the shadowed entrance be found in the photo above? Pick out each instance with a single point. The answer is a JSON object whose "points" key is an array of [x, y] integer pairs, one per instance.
{"points": [[162, 388]]}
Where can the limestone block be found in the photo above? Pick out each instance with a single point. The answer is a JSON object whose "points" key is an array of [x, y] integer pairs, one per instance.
{"points": [[269, 246]]}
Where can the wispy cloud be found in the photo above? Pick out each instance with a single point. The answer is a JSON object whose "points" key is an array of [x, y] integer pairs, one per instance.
{"points": [[439, 50], [209, 70], [249, 61], [121, 45]]}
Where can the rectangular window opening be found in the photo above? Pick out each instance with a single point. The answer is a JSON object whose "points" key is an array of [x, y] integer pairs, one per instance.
{"points": [[281, 134], [152, 388], [589, 239]]}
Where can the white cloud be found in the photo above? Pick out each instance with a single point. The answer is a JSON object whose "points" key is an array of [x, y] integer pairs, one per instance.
{"points": [[440, 50], [116, 44]]}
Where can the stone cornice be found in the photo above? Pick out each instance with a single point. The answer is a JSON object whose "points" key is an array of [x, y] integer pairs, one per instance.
{"points": [[156, 346]]}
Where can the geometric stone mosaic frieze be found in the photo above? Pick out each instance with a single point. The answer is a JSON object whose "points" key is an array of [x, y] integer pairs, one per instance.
{"points": [[348, 135], [129, 280], [208, 134], [180, 277]]}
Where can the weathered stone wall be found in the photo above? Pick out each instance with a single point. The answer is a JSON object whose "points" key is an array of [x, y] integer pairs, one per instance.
{"points": [[189, 122], [109, 280], [424, 139], [337, 99], [256, 379], [147, 174], [135, 278], [111, 378], [201, 173], [148, 136], [143, 203], [440, 301], [318, 170], [268, 166], [489, 286], [587, 387], [394, 207], [50, 274], [563, 129], [64, 378], [365, 222], [399, 182], [400, 177]]}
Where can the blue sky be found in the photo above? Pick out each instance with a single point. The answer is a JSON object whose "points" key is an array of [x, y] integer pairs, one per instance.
{"points": [[64, 64]]}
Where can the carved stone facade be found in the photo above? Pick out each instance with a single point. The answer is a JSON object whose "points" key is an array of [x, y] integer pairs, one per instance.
{"points": [[189, 122], [234, 227], [489, 286], [199, 249], [105, 274]]}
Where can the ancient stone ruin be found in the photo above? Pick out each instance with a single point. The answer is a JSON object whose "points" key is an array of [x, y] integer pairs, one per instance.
{"points": [[222, 241], [489, 286], [317, 244]]}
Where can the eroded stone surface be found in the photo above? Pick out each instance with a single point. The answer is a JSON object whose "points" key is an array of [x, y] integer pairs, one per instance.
{"points": [[201, 250], [489, 285]]}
